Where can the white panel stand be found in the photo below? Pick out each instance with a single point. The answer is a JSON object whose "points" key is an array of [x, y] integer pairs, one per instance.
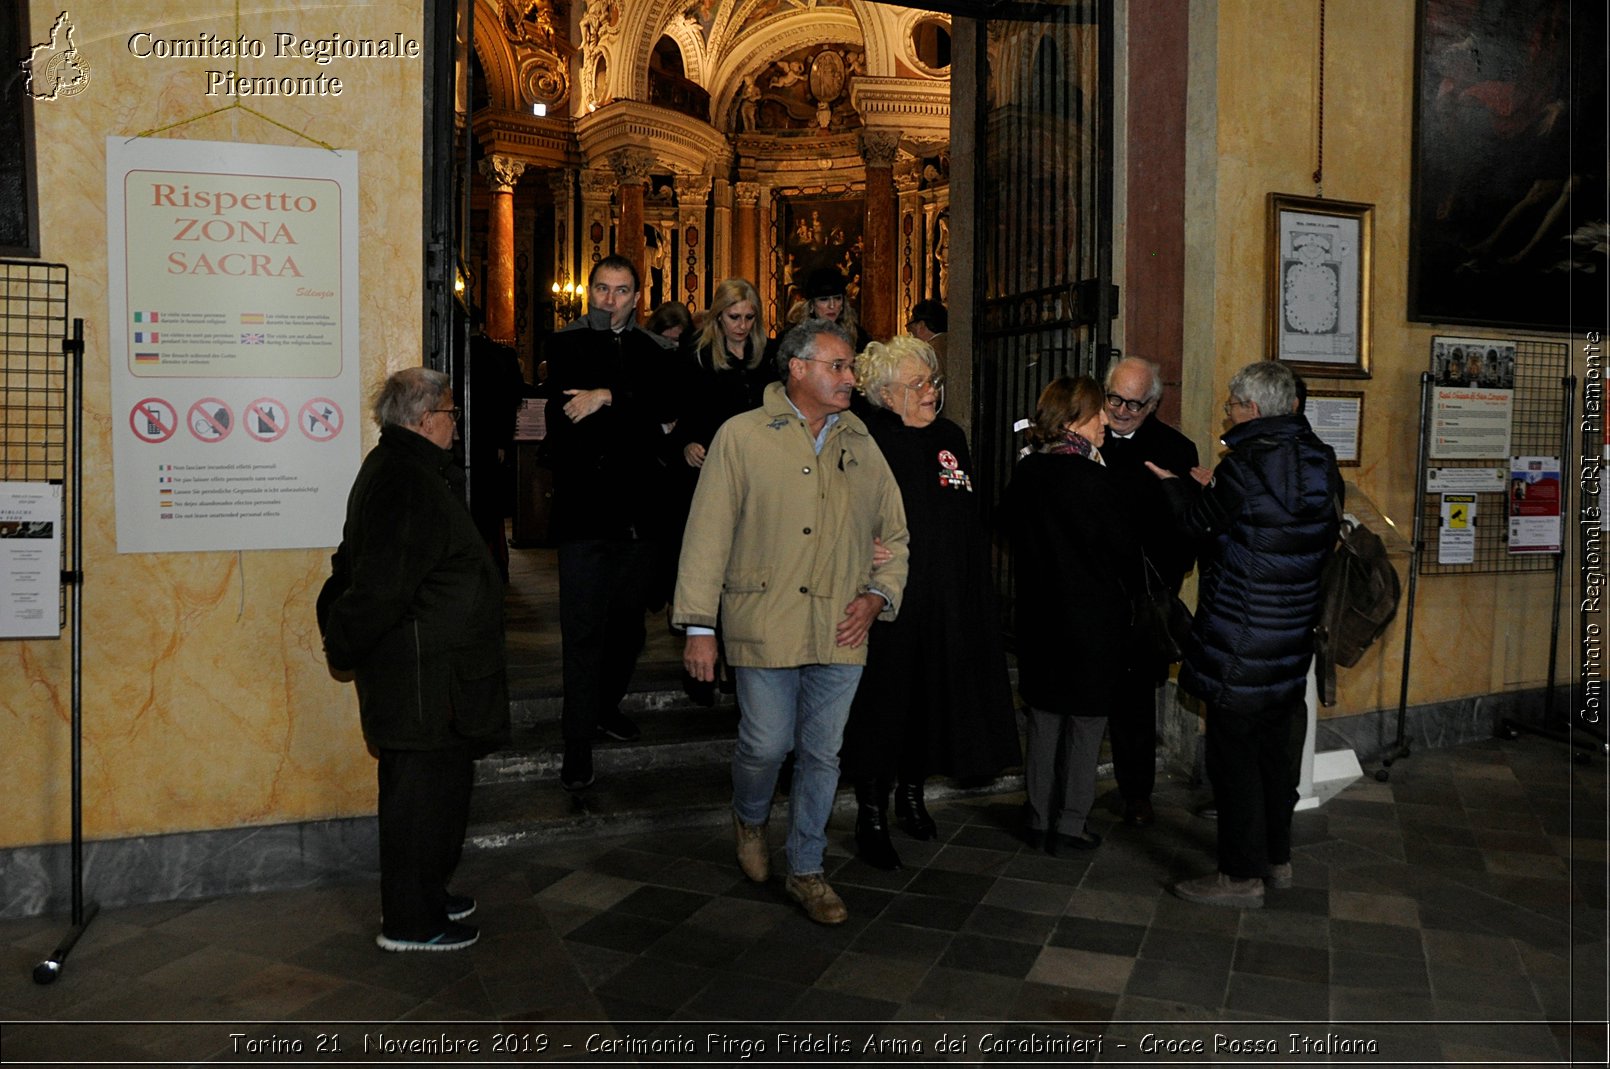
{"points": [[1324, 775]]}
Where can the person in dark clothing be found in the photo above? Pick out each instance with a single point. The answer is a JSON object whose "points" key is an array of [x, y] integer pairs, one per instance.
{"points": [[1134, 436], [492, 402], [824, 296], [1074, 556], [413, 611], [610, 395], [935, 697], [1267, 520]]}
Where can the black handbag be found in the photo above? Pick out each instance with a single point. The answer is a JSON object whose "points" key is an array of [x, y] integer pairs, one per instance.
{"points": [[1161, 621]]}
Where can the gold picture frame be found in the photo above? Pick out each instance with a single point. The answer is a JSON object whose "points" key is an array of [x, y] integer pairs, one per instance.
{"points": [[1318, 286]]}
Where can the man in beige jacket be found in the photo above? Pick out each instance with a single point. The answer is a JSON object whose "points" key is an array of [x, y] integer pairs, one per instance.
{"points": [[779, 544]]}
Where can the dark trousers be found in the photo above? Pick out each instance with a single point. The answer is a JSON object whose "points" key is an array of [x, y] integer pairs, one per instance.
{"points": [[424, 811], [1132, 730], [603, 588], [1254, 763]]}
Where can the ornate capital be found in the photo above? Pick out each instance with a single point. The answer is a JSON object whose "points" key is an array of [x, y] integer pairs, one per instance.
{"points": [[748, 193], [631, 165], [878, 147], [560, 183], [501, 172], [692, 188], [597, 184], [906, 182]]}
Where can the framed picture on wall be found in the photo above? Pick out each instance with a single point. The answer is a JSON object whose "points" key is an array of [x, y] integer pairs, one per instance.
{"points": [[816, 232], [1506, 217], [1318, 293]]}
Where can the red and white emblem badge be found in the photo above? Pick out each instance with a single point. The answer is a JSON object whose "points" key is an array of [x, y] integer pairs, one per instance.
{"points": [[947, 460]]}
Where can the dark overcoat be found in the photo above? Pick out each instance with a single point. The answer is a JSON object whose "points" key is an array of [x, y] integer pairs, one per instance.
{"points": [[935, 698]]}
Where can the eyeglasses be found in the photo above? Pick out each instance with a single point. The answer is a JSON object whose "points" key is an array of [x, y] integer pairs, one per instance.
{"points": [[456, 412], [838, 367], [1228, 405], [1116, 401], [933, 382]]}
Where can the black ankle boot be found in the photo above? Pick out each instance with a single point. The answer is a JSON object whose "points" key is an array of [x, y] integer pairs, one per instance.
{"points": [[872, 827], [911, 813]]}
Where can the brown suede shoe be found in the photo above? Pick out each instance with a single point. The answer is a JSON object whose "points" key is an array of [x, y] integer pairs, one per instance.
{"points": [[1217, 889], [821, 903], [754, 856]]}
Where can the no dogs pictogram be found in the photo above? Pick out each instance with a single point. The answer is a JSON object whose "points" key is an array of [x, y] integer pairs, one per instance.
{"points": [[210, 420], [153, 420], [320, 419], [266, 419]]}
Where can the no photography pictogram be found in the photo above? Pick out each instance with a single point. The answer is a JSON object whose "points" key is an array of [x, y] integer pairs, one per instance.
{"points": [[267, 420], [320, 419], [210, 420], [153, 420]]}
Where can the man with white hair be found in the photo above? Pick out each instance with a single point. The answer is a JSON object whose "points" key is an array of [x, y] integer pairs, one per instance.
{"points": [[1135, 435]]}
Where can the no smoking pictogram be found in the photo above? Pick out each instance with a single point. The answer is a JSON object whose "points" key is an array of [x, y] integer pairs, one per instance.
{"points": [[266, 419], [210, 420], [153, 420], [320, 419]]}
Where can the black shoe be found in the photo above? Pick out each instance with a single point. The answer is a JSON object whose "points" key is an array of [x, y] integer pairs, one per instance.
{"points": [[1139, 813], [618, 726], [872, 843], [459, 907], [1057, 841], [911, 814], [577, 772], [1034, 837], [453, 937]]}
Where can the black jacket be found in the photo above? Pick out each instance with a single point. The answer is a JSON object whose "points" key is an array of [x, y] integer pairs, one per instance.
{"points": [[1142, 492], [610, 472], [414, 604], [712, 395], [1266, 523], [1076, 562]]}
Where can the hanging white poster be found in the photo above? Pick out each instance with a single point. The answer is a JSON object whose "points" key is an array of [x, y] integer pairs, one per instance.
{"points": [[30, 560], [233, 294]]}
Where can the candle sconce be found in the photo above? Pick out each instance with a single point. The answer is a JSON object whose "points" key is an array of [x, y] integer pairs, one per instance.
{"points": [[567, 300]]}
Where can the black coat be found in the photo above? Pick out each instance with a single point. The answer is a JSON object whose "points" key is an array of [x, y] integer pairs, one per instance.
{"points": [[414, 604], [935, 697], [1267, 523], [1076, 565], [712, 395], [1169, 550], [610, 472]]}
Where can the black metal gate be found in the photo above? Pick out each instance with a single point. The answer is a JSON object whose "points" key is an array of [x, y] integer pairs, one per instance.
{"points": [[1044, 238]]}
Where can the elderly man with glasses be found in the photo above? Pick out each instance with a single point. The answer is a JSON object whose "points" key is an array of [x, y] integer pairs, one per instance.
{"points": [[1134, 436]]}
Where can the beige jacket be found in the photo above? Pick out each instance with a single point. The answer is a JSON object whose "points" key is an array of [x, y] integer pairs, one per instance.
{"points": [[780, 539]]}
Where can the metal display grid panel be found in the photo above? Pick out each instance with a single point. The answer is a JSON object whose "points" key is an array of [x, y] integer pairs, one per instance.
{"points": [[35, 386], [1535, 430]]}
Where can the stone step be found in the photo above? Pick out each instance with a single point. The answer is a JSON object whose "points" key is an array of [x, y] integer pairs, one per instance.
{"points": [[674, 736]]}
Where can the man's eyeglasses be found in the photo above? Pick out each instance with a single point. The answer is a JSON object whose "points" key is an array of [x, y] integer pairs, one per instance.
{"points": [[1231, 404], [838, 367], [932, 382], [455, 411], [1128, 404]]}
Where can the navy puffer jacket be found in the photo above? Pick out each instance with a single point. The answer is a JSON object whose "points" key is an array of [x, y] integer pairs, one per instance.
{"points": [[1266, 522]]}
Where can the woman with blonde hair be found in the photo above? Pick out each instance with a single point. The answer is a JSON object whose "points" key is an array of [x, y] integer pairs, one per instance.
{"points": [[1077, 563], [824, 297], [934, 698]]}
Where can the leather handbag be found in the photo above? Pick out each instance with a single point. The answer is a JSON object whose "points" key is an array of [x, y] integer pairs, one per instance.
{"points": [[1161, 622]]}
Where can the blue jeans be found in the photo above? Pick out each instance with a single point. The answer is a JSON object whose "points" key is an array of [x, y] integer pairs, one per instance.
{"points": [[801, 709]]}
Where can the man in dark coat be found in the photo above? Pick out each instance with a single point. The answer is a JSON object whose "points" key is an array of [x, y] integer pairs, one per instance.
{"points": [[413, 610], [1268, 520], [1134, 436], [609, 400]]}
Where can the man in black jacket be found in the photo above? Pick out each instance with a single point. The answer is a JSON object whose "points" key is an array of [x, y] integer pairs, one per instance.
{"points": [[1267, 520], [413, 610], [610, 399], [1135, 436]]}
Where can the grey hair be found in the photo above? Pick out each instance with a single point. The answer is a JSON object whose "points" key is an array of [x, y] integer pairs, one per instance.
{"points": [[407, 395], [1268, 384], [800, 342], [879, 363], [1153, 392]]}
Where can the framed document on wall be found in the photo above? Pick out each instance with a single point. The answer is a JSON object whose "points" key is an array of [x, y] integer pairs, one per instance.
{"points": [[1318, 291]]}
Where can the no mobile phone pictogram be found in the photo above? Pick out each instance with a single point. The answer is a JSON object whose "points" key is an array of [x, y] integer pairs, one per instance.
{"points": [[153, 420], [320, 419]]}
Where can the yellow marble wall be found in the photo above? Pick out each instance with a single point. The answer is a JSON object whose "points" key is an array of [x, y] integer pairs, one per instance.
{"points": [[206, 700], [1253, 124]]}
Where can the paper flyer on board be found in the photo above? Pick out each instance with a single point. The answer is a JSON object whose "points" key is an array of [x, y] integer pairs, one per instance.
{"points": [[30, 560], [1534, 505]]}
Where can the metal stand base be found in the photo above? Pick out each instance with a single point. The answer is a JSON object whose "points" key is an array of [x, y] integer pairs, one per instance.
{"points": [[47, 971]]}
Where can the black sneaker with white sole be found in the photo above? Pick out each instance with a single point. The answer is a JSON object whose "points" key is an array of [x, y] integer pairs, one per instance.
{"points": [[454, 937], [459, 907]]}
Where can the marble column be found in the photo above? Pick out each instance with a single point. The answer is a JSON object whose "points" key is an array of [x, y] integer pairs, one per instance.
{"points": [[718, 259], [746, 247], [562, 186], [692, 194], [879, 268], [911, 245], [632, 168], [597, 185], [501, 173]]}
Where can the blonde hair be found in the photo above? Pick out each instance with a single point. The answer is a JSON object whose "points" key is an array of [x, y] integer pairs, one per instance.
{"points": [[880, 362], [733, 291]]}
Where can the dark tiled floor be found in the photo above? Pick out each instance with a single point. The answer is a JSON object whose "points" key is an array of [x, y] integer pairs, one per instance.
{"points": [[1456, 913]]}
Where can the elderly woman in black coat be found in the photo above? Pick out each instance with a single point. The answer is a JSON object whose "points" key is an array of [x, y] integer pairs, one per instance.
{"points": [[1074, 557], [934, 698]]}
